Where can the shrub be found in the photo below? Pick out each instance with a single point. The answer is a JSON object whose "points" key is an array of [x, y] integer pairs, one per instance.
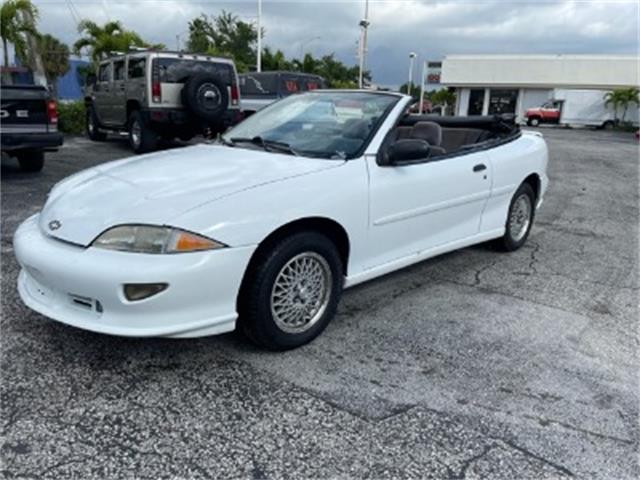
{"points": [[71, 117]]}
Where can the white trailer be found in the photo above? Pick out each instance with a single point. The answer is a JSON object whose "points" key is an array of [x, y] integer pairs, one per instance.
{"points": [[587, 108]]}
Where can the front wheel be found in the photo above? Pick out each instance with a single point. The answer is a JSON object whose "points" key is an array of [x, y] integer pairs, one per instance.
{"points": [[92, 126], [291, 293], [533, 122], [141, 137], [519, 218]]}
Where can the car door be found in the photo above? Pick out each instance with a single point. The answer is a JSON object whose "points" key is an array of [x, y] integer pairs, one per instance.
{"points": [[426, 204], [102, 92], [118, 94], [135, 88]]}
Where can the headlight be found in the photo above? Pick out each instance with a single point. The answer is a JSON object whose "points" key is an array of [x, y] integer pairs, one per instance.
{"points": [[152, 239]]}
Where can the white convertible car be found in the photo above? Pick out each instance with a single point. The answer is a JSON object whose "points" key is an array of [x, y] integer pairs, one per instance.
{"points": [[263, 229]]}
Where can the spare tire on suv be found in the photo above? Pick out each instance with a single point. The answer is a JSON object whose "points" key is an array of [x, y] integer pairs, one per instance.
{"points": [[206, 96]]}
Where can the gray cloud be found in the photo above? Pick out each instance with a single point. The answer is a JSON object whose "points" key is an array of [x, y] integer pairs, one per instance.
{"points": [[431, 28]]}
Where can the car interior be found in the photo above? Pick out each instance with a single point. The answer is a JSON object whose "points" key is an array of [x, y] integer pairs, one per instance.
{"points": [[447, 135]]}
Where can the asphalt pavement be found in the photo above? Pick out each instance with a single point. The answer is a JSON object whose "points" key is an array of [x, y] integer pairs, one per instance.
{"points": [[475, 364]]}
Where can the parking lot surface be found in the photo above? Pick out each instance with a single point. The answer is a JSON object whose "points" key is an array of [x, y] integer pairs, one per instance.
{"points": [[474, 364]]}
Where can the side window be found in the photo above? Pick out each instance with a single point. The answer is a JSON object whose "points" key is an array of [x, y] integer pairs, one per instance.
{"points": [[137, 67], [104, 74], [118, 70]]}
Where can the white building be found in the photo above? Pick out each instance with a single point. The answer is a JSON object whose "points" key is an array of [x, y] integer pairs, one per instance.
{"points": [[487, 84]]}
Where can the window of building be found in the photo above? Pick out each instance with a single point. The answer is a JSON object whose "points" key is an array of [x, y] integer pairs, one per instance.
{"points": [[476, 101], [502, 101]]}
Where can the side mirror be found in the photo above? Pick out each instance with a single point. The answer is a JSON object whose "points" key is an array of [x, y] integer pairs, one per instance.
{"points": [[407, 150], [91, 79]]}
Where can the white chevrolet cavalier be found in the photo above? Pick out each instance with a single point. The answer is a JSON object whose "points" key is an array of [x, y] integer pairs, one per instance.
{"points": [[315, 193]]}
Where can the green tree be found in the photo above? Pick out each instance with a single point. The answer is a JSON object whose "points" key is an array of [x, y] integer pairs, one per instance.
{"points": [[55, 58], [200, 35], [622, 97], [224, 35], [444, 97], [17, 19], [101, 40], [275, 60], [414, 90]]}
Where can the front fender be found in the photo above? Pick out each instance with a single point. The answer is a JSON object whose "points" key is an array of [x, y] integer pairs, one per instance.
{"points": [[248, 217]]}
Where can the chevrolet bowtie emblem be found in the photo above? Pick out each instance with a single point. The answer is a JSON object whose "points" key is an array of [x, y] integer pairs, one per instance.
{"points": [[54, 225]]}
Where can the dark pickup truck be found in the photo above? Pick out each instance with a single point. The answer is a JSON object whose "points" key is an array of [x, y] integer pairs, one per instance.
{"points": [[28, 125]]}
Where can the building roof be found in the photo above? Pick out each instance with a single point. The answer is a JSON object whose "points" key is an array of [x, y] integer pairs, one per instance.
{"points": [[541, 71]]}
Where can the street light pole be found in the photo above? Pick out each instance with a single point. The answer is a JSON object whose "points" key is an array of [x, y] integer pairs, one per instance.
{"points": [[412, 57], [259, 63], [364, 24], [422, 78]]}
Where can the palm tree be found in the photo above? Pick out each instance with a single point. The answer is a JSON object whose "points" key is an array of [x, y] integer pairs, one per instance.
{"points": [[17, 18], [622, 97], [108, 38], [55, 58]]}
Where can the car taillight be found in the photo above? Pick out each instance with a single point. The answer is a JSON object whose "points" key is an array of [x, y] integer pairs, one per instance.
{"points": [[156, 92], [235, 94], [52, 112]]}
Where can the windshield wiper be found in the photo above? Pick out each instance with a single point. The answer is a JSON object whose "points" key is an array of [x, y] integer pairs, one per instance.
{"points": [[267, 145], [224, 141]]}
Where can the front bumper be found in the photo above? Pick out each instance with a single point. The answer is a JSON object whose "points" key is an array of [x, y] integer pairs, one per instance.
{"points": [[83, 287]]}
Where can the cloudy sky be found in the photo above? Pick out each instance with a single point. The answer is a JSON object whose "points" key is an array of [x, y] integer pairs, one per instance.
{"points": [[431, 28]]}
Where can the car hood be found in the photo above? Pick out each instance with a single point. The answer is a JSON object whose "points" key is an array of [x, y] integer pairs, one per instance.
{"points": [[157, 188]]}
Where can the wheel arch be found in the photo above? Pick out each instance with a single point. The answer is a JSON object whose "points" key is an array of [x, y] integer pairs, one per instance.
{"points": [[535, 183], [324, 225], [132, 105], [329, 227]]}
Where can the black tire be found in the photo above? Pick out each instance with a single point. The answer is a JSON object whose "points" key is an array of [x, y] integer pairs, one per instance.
{"points": [[255, 301], [533, 122], [142, 138], [513, 240], [608, 125], [206, 96], [92, 126], [30, 160]]}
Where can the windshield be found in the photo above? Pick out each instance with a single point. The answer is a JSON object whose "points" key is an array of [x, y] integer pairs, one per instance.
{"points": [[320, 124]]}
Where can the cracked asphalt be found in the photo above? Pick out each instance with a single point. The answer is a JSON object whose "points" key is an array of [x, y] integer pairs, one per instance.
{"points": [[475, 364]]}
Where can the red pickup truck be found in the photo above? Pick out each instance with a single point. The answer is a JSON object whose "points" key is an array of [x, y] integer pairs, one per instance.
{"points": [[549, 112]]}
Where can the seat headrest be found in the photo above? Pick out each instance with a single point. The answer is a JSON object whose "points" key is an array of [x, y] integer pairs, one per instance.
{"points": [[428, 131]]}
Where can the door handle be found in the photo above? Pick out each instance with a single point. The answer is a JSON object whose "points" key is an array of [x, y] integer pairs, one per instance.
{"points": [[480, 167]]}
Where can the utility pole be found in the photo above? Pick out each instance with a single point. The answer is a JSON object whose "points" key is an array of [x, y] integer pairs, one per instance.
{"points": [[412, 57], [424, 73], [259, 63], [364, 25]]}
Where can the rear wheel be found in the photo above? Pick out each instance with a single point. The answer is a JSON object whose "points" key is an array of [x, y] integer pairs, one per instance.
{"points": [[141, 137], [291, 293], [519, 218], [92, 126], [31, 160], [608, 125]]}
